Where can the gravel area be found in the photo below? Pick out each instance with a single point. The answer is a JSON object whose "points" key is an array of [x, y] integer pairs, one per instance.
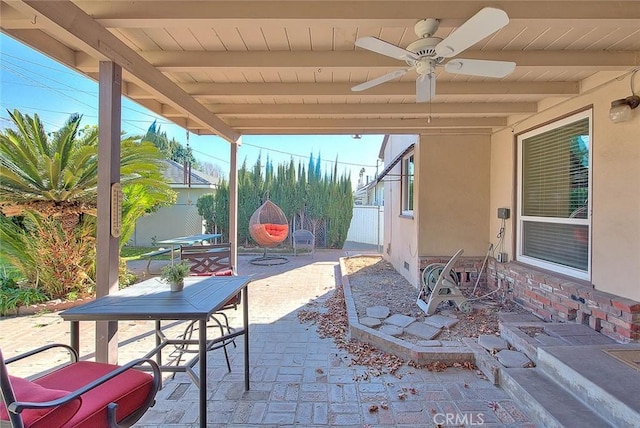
{"points": [[375, 282]]}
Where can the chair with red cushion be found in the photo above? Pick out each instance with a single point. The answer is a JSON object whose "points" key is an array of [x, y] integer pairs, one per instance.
{"points": [[80, 394]]}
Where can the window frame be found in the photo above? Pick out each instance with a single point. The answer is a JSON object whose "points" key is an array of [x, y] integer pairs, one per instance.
{"points": [[408, 184], [555, 267]]}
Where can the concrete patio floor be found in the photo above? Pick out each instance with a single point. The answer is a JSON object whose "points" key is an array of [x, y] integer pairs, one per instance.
{"points": [[297, 379]]}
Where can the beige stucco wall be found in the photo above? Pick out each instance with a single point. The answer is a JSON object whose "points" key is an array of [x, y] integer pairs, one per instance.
{"points": [[400, 232], [453, 203], [615, 182], [180, 219]]}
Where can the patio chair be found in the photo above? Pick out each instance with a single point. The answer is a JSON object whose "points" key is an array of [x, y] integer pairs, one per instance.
{"points": [[211, 260], [77, 394], [303, 239]]}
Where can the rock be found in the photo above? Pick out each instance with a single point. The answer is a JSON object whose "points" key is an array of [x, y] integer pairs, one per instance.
{"points": [[492, 343], [440, 321], [380, 312], [370, 322], [391, 330], [511, 359], [399, 320], [422, 330]]}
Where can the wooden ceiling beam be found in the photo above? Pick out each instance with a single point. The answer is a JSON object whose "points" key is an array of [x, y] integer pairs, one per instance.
{"points": [[217, 90], [199, 61], [379, 124], [401, 13], [251, 110]]}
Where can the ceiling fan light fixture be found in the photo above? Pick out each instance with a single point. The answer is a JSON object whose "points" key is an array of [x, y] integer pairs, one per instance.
{"points": [[620, 110]]}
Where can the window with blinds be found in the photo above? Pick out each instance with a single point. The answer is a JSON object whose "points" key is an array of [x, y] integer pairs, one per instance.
{"points": [[553, 196], [407, 184]]}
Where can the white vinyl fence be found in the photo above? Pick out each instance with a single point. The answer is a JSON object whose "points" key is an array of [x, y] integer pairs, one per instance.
{"points": [[367, 225]]}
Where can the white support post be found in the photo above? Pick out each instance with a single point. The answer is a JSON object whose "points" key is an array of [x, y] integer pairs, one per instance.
{"points": [[109, 114], [233, 201]]}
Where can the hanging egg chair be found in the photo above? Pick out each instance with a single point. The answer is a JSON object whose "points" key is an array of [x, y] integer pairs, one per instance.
{"points": [[268, 226]]}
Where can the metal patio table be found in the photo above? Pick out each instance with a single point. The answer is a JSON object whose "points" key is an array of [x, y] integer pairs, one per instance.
{"points": [[152, 300], [189, 240]]}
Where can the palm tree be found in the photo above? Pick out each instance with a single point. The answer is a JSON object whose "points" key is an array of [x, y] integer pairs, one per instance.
{"points": [[47, 178]]}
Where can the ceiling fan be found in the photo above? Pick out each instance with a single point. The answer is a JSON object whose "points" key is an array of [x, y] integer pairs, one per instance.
{"points": [[427, 52]]}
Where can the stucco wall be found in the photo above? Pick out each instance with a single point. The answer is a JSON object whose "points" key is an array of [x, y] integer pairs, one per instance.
{"points": [[453, 202], [616, 178], [400, 232], [180, 219]]}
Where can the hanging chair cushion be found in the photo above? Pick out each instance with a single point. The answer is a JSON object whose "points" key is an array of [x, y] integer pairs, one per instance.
{"points": [[25, 390], [269, 234]]}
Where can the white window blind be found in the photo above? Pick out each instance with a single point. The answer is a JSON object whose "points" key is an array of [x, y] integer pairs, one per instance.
{"points": [[554, 196]]}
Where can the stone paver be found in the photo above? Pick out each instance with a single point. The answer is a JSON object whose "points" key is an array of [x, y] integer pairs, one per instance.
{"points": [[422, 330], [391, 330], [380, 312], [297, 378], [510, 359], [441, 321], [370, 322], [399, 320], [492, 342]]}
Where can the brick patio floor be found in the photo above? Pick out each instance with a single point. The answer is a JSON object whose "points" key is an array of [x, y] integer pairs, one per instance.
{"points": [[297, 379]]}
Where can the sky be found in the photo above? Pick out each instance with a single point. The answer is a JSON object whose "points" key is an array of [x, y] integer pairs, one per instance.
{"points": [[34, 83]]}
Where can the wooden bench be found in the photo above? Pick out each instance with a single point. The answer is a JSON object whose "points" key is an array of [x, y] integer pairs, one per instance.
{"points": [[150, 255]]}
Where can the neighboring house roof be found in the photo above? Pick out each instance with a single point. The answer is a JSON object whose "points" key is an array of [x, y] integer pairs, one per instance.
{"points": [[393, 163], [174, 173]]}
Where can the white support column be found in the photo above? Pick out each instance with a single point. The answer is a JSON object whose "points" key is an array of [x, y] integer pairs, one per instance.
{"points": [[233, 201], [109, 114]]}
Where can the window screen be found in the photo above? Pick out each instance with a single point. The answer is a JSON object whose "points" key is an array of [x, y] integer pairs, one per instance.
{"points": [[407, 183]]}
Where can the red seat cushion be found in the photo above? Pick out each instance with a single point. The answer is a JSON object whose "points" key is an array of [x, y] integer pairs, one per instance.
{"points": [[129, 390], [25, 390]]}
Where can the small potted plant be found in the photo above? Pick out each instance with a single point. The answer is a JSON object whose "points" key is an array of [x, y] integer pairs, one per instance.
{"points": [[174, 274]]}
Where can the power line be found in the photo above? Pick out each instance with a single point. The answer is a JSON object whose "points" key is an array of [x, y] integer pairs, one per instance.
{"points": [[305, 156]]}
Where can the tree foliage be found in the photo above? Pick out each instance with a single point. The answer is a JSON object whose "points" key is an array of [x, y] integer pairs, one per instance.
{"points": [[48, 184], [300, 192]]}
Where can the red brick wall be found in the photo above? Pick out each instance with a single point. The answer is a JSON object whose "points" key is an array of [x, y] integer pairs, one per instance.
{"points": [[467, 268], [560, 299]]}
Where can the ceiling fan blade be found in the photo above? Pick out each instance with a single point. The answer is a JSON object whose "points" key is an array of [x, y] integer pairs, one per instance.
{"points": [[383, 48], [425, 87], [480, 67], [486, 22], [378, 80]]}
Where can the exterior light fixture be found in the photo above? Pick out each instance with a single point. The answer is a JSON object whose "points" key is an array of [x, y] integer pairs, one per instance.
{"points": [[356, 136], [620, 110]]}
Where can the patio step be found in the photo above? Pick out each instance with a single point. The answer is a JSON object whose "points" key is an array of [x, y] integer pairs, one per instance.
{"points": [[547, 402], [605, 384], [577, 386]]}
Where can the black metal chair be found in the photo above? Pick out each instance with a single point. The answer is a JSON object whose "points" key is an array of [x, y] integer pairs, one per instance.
{"points": [[210, 260]]}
